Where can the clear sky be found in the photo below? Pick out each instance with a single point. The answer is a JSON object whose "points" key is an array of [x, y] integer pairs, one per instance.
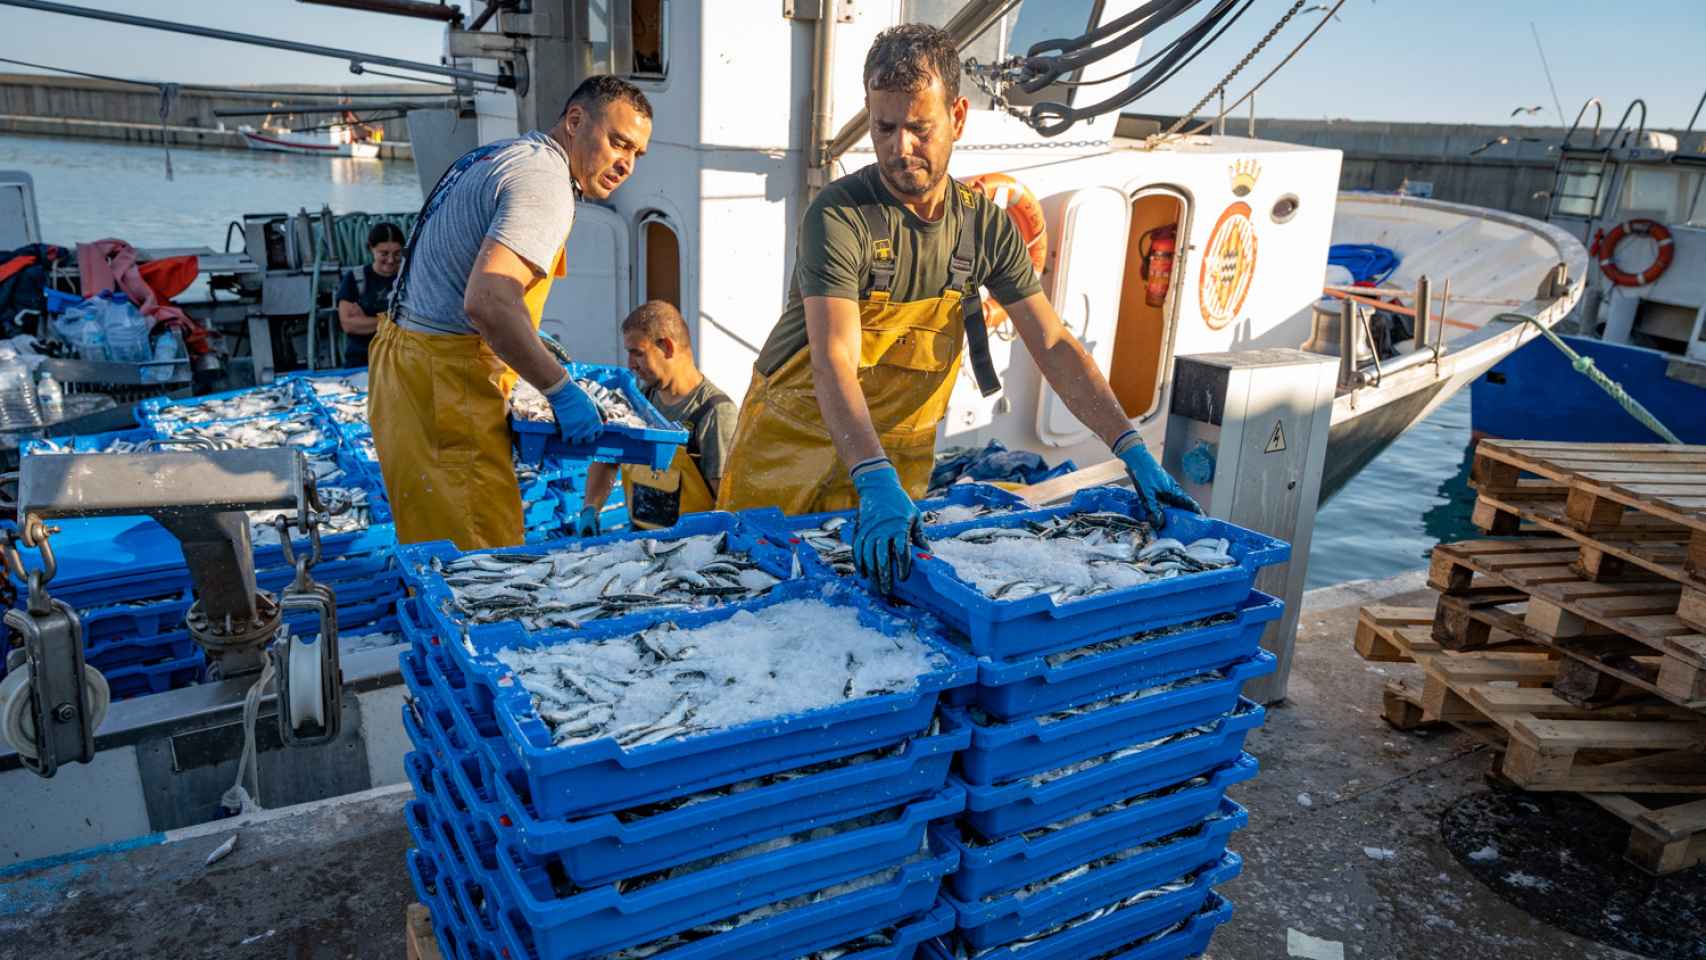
{"points": [[1470, 61]]}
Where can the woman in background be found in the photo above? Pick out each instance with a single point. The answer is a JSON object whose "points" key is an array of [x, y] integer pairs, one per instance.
{"points": [[364, 294]]}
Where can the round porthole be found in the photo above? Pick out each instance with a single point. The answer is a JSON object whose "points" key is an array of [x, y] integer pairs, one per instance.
{"points": [[1285, 208]]}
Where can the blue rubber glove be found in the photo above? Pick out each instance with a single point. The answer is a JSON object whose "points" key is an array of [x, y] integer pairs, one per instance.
{"points": [[586, 525], [888, 525], [1154, 485], [578, 419]]}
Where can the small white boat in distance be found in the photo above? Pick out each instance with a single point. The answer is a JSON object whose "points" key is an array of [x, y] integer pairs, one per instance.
{"points": [[336, 141]]}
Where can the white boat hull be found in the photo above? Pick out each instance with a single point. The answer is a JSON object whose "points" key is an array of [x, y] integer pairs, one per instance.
{"points": [[283, 143]]}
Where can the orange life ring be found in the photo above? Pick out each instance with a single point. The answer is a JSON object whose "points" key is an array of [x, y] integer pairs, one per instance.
{"points": [[1639, 227], [1026, 212]]}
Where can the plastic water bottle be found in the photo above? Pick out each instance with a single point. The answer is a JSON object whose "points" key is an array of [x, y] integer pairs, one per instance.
{"points": [[83, 327], [165, 348], [17, 392], [51, 397], [126, 329]]}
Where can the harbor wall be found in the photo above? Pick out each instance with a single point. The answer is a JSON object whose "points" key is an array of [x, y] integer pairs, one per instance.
{"points": [[104, 110], [1464, 163]]}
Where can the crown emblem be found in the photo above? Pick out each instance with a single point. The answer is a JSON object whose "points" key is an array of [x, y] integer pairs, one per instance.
{"points": [[1244, 176]]}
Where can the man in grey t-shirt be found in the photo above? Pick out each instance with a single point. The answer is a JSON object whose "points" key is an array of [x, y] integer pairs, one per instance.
{"points": [[465, 317]]}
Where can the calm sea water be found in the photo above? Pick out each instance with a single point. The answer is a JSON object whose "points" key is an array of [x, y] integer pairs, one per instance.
{"points": [[1383, 522]]}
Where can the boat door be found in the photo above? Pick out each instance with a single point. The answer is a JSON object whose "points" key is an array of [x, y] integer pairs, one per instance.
{"points": [[1088, 229], [19, 224], [585, 308]]}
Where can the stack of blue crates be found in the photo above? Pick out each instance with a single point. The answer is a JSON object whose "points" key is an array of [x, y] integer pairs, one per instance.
{"points": [[1104, 733], [530, 851]]}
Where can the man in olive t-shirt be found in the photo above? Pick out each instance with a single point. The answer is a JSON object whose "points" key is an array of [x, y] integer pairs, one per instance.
{"points": [[832, 258], [847, 392]]}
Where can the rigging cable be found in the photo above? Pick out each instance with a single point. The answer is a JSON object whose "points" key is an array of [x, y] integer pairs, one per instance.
{"points": [[209, 88], [1186, 118]]}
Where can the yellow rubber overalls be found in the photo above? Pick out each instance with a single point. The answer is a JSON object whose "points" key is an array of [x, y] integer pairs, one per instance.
{"points": [[909, 355], [439, 407], [682, 483]]}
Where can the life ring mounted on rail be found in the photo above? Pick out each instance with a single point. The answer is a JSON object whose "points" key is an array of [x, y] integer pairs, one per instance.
{"points": [[1638, 227], [1026, 212]]}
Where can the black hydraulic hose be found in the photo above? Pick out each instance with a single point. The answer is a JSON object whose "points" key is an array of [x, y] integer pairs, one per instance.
{"points": [[1046, 70], [1052, 118], [1116, 25], [1161, 53]]}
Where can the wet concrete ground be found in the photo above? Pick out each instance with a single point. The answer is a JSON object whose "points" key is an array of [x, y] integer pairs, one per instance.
{"points": [[328, 882]]}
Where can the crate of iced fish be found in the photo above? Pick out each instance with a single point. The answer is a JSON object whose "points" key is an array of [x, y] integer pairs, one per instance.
{"points": [[1037, 581], [165, 415], [341, 395], [818, 537], [761, 775], [544, 589], [633, 432]]}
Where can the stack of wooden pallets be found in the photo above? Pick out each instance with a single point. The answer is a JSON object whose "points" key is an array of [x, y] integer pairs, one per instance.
{"points": [[1577, 646]]}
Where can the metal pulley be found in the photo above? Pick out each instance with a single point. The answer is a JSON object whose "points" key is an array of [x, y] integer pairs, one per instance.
{"points": [[51, 702], [307, 672]]}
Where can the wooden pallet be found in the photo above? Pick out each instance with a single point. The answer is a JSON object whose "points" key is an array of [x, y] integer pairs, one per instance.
{"points": [[419, 940], [1609, 488], [1504, 700], [1599, 621]]}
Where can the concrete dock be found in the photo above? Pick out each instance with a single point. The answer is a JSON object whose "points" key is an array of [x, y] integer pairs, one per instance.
{"points": [[1358, 835]]}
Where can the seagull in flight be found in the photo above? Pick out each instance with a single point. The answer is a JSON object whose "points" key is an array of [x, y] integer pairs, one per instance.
{"points": [[1531, 111], [1324, 9]]}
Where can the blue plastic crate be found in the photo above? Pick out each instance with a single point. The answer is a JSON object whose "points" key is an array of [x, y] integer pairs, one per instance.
{"points": [[437, 600], [1004, 629], [455, 940], [653, 445], [1202, 860], [142, 679], [1111, 938], [605, 847], [988, 868], [909, 893], [786, 529], [1010, 690], [83, 443], [1004, 751], [596, 920], [600, 776], [174, 645], [1008, 808], [119, 622]]}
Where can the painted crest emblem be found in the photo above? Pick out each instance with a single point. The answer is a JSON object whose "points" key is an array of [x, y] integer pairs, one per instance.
{"points": [[1228, 266]]}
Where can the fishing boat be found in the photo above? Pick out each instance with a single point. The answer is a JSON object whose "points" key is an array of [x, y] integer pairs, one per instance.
{"points": [[346, 139], [1635, 197], [1156, 244]]}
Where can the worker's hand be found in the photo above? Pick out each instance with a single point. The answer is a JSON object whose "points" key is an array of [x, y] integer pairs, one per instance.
{"points": [[1154, 486], [578, 419], [586, 525], [887, 528]]}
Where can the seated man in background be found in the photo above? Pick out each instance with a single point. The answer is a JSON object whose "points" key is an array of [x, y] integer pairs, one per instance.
{"points": [[660, 354]]}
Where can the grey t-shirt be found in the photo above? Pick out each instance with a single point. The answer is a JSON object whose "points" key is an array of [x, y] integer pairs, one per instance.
{"points": [[521, 195]]}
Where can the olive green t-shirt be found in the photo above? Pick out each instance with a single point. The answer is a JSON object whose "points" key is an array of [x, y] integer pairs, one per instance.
{"points": [[834, 258]]}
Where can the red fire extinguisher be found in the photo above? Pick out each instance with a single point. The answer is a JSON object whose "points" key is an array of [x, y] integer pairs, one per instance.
{"points": [[1156, 249]]}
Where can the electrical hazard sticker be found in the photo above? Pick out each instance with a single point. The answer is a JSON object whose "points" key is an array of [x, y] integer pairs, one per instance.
{"points": [[1276, 440]]}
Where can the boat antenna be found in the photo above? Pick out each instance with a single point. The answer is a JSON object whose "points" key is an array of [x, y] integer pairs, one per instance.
{"points": [[1556, 103]]}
